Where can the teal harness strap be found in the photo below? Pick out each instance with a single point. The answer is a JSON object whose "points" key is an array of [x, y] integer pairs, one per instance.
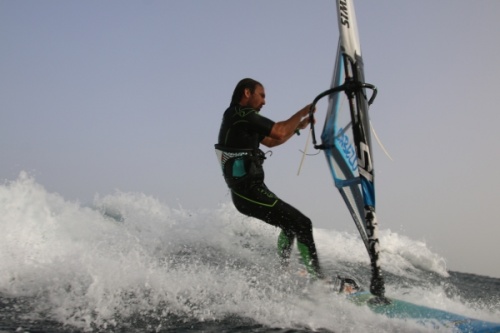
{"points": [[239, 165]]}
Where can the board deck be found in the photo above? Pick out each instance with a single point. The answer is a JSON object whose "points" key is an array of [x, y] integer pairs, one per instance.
{"points": [[426, 315]]}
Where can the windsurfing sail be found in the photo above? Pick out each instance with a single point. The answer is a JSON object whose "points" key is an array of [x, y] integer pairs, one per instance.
{"points": [[346, 137]]}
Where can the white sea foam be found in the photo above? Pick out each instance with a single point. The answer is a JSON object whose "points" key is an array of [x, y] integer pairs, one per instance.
{"points": [[131, 254]]}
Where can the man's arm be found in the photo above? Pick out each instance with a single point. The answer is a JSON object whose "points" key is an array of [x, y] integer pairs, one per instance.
{"points": [[284, 130]]}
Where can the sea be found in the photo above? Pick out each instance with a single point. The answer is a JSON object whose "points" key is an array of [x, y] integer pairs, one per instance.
{"points": [[128, 262]]}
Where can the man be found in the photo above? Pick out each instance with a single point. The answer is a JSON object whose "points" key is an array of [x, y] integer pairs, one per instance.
{"points": [[242, 130]]}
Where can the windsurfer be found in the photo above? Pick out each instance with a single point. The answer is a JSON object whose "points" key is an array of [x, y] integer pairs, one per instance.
{"points": [[242, 131]]}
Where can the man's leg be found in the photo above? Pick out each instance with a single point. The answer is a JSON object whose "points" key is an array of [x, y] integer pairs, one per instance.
{"points": [[285, 242], [259, 202]]}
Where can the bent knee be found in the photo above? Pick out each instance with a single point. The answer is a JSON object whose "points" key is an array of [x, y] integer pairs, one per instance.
{"points": [[303, 226]]}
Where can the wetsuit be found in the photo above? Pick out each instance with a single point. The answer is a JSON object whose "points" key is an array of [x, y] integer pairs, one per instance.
{"points": [[241, 132]]}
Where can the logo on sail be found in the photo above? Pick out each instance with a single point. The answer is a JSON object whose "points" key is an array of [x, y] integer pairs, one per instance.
{"points": [[347, 149], [344, 14]]}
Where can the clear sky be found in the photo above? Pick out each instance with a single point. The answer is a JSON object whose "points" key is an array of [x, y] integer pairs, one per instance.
{"points": [[103, 95]]}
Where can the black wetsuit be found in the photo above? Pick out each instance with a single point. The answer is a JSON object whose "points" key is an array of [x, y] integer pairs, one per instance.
{"points": [[241, 132]]}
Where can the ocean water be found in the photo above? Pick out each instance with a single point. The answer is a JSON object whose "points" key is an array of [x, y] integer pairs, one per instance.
{"points": [[130, 263]]}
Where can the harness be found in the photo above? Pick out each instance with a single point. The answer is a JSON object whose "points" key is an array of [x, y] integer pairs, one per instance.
{"points": [[239, 165]]}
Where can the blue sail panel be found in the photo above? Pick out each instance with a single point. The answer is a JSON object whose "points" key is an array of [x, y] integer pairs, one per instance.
{"points": [[340, 150]]}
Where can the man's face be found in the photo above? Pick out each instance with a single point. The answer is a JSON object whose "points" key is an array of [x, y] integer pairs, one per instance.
{"points": [[258, 98]]}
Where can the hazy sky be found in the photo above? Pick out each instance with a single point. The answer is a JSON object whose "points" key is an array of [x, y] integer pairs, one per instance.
{"points": [[103, 95]]}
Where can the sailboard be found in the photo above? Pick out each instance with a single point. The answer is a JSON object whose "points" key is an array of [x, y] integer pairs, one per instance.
{"points": [[347, 145], [430, 317]]}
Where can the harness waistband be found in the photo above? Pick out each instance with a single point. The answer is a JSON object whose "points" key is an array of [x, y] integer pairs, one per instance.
{"points": [[240, 164]]}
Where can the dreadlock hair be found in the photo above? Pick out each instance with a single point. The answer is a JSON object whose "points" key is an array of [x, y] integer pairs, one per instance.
{"points": [[240, 89]]}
